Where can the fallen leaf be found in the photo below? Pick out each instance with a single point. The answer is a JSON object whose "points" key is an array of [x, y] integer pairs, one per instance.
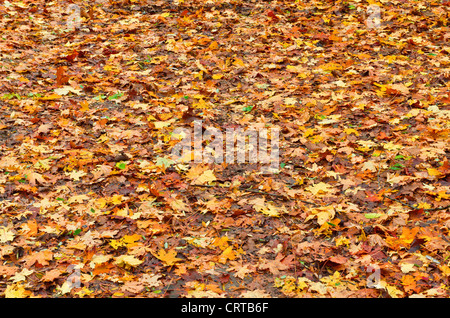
{"points": [[168, 258], [127, 261]]}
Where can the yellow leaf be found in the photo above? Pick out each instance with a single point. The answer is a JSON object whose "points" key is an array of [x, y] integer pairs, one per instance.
{"points": [[445, 270], [179, 205], [349, 131], [270, 210], [205, 177], [342, 241], [238, 62], [16, 291], [6, 235], [227, 254], [78, 198], [331, 66], [130, 239], [290, 101], [258, 204], [213, 45], [391, 146], [400, 88], [99, 259], [393, 291], [202, 104], [407, 267], [84, 106], [433, 172], [66, 90], [221, 242], [76, 175], [442, 195], [116, 244], [323, 214], [116, 199], [295, 69], [51, 97], [319, 187], [201, 67], [217, 76], [162, 124], [127, 260]]}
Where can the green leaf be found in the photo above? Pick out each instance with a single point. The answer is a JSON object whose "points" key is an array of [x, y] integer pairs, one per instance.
{"points": [[372, 215], [121, 165], [247, 108], [115, 96], [397, 166], [76, 232]]}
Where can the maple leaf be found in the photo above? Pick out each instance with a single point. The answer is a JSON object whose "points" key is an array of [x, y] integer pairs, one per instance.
{"points": [[151, 280], [42, 258], [66, 90], [206, 177], [268, 209], [133, 287], [323, 214], [51, 275], [76, 175], [99, 259], [29, 229], [6, 235], [16, 291], [241, 270], [320, 187], [101, 171], [131, 239], [168, 258], [408, 267], [227, 254], [21, 275], [257, 293], [274, 266], [34, 176], [127, 261], [178, 205]]}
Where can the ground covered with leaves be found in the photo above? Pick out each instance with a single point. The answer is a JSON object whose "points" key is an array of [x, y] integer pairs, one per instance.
{"points": [[91, 205]]}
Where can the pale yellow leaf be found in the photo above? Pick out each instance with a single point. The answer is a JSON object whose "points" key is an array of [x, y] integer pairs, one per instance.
{"points": [[127, 260]]}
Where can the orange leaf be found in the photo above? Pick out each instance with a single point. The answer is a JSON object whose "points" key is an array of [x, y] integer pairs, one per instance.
{"points": [[169, 258], [41, 258], [408, 235], [213, 45], [227, 254], [51, 275], [61, 79]]}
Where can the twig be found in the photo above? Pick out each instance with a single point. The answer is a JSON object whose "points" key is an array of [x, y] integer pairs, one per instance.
{"points": [[415, 208], [256, 191]]}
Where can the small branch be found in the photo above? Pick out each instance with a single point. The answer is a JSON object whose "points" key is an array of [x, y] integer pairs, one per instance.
{"points": [[256, 191], [416, 208]]}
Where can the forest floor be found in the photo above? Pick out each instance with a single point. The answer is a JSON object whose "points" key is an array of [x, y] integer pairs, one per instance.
{"points": [[93, 205]]}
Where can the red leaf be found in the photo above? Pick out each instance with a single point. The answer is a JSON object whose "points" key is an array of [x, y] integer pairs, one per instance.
{"points": [[273, 16], [61, 79]]}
